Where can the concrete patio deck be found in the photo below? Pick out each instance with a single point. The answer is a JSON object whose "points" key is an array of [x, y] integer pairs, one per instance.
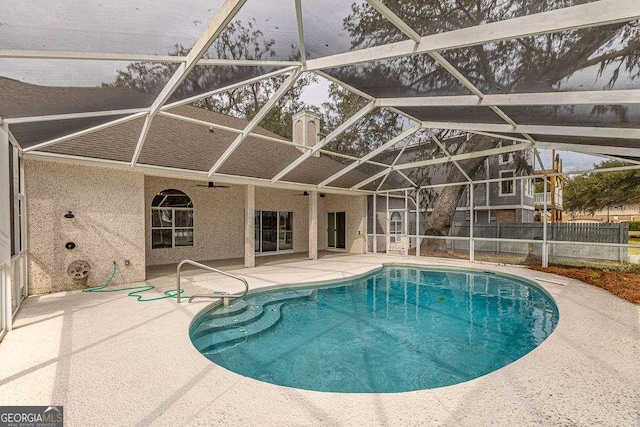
{"points": [[111, 360]]}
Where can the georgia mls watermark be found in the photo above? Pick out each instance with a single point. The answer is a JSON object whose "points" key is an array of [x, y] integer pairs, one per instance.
{"points": [[31, 416]]}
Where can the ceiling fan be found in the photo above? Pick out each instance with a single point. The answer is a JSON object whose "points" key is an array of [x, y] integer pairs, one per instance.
{"points": [[211, 184], [306, 193]]}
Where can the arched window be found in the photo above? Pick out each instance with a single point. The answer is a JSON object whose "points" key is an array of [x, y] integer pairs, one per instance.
{"points": [[171, 220]]}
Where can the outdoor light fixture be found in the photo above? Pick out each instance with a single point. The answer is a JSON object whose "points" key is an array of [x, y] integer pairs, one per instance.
{"points": [[69, 215], [211, 129]]}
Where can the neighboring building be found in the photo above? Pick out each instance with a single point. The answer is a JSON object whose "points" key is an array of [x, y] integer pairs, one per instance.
{"points": [[509, 201], [554, 194]]}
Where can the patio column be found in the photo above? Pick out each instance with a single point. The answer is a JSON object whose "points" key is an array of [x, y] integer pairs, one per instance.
{"points": [[313, 225], [249, 226]]}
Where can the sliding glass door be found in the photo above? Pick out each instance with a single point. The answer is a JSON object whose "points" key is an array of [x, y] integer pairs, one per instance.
{"points": [[273, 231]]}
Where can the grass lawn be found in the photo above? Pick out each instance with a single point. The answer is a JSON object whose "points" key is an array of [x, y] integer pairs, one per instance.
{"points": [[634, 241]]}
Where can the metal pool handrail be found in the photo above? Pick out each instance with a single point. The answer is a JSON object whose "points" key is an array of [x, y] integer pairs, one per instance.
{"points": [[215, 270]]}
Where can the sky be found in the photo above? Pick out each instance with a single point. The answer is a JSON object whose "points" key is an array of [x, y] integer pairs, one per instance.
{"points": [[571, 161]]}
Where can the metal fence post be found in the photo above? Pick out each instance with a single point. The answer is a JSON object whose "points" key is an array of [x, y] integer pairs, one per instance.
{"points": [[418, 222], [406, 223], [472, 254], [545, 249], [388, 223], [375, 223]]}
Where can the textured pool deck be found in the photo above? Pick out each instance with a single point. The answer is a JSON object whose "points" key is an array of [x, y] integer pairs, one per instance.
{"points": [[111, 360]]}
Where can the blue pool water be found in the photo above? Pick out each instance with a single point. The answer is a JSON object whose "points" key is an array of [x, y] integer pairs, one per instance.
{"points": [[398, 329]]}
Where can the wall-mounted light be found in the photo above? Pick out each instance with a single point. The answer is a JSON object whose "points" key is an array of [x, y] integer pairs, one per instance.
{"points": [[69, 215]]}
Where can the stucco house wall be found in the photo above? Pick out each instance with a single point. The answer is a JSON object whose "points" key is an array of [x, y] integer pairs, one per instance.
{"points": [[218, 221], [108, 223], [112, 221], [355, 208], [271, 199]]}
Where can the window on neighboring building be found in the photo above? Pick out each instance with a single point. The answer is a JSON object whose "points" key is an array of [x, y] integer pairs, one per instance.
{"points": [[529, 186], [505, 157], [171, 220], [507, 187], [273, 231]]}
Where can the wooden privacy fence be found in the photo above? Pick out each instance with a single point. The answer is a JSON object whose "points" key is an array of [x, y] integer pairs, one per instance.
{"points": [[587, 233], [569, 232]]}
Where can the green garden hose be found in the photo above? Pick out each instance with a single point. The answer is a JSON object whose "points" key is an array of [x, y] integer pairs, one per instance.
{"points": [[135, 290]]}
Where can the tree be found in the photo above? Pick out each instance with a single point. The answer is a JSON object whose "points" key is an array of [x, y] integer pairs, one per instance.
{"points": [[538, 63], [237, 41], [595, 191], [368, 133]]}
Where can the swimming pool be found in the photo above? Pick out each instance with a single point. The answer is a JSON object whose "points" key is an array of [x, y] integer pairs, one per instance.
{"points": [[396, 329]]}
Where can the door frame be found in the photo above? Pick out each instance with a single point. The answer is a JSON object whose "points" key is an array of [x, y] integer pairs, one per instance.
{"points": [[258, 252]]}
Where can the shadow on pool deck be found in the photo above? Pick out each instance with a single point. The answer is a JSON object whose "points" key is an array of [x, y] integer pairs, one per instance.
{"points": [[163, 270]]}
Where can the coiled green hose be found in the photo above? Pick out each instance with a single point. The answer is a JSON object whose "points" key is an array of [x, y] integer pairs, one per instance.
{"points": [[135, 290]]}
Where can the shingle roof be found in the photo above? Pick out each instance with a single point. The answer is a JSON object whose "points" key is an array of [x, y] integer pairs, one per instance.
{"points": [[19, 99], [170, 142]]}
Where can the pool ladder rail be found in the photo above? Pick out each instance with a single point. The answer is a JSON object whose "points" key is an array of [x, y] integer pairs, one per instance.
{"points": [[224, 295]]}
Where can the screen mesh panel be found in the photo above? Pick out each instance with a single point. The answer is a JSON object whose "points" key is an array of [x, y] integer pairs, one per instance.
{"points": [[132, 26]]}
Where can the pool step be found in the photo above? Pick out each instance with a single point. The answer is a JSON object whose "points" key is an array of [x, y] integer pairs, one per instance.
{"points": [[236, 306], [222, 339], [250, 314], [215, 320], [259, 315]]}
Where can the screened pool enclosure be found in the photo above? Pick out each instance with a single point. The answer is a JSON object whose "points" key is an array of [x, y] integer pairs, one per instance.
{"points": [[464, 82]]}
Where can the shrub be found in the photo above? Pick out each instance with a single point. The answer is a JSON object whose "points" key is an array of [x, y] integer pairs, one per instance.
{"points": [[634, 225]]}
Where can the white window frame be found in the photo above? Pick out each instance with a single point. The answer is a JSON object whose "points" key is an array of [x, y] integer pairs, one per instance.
{"points": [[513, 181], [501, 160], [173, 227], [529, 188], [396, 226]]}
